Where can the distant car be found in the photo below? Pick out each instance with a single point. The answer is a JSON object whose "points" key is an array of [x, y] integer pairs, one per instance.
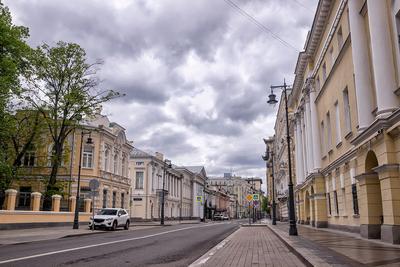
{"points": [[225, 217], [110, 219], [218, 217]]}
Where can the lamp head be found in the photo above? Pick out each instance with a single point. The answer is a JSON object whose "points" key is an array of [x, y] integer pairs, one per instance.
{"points": [[272, 99], [89, 140]]}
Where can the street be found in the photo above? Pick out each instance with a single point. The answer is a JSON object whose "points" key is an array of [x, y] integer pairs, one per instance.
{"points": [[177, 245]]}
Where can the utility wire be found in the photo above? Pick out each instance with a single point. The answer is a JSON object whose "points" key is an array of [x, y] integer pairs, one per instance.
{"points": [[259, 24], [302, 5]]}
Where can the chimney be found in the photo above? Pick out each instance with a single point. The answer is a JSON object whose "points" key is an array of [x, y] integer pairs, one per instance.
{"points": [[160, 156]]}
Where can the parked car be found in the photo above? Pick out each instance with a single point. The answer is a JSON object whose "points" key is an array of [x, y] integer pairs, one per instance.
{"points": [[110, 219], [218, 217], [225, 217]]}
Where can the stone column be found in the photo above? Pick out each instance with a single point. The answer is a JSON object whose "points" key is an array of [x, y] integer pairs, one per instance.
{"points": [[35, 200], [72, 203], [55, 203], [382, 57], [310, 141], [299, 150], [11, 196], [362, 67], [304, 150], [390, 188], [296, 158], [315, 132], [88, 203]]}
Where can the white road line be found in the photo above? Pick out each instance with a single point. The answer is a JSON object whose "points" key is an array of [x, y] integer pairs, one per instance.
{"points": [[102, 244]]}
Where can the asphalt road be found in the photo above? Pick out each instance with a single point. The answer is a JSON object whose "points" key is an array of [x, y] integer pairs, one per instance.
{"points": [[177, 245]]}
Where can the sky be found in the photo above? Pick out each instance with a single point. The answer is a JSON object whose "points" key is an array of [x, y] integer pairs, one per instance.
{"points": [[195, 73]]}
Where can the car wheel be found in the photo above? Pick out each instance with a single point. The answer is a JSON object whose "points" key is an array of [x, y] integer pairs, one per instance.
{"points": [[114, 226], [126, 225]]}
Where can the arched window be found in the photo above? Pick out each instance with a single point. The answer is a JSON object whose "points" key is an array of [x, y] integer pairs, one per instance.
{"points": [[29, 157], [116, 163], [87, 160], [107, 160]]}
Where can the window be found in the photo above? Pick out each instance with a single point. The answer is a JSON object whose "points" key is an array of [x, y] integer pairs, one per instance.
{"points": [[337, 120], [87, 157], [139, 180], [347, 116], [114, 199], [329, 131], [324, 72], [355, 199], [107, 160], [116, 163], [340, 38], [323, 144], [29, 159], [328, 197], [122, 200], [123, 165], [104, 198], [335, 199]]}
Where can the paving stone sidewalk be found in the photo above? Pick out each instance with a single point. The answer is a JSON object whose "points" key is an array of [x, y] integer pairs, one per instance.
{"points": [[250, 246], [327, 247]]}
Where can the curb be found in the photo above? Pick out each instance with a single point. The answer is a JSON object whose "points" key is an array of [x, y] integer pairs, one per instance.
{"points": [[305, 255], [204, 258]]}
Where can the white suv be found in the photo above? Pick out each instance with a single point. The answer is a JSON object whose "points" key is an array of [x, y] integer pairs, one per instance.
{"points": [[110, 219]]}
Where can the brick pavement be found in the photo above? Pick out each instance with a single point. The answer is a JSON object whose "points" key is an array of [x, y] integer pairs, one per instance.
{"points": [[250, 246]]}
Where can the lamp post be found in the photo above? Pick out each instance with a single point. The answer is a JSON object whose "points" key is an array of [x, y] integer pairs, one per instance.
{"points": [[266, 157], [272, 100], [167, 163], [89, 141]]}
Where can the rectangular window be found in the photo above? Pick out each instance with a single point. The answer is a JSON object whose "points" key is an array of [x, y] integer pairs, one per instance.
{"points": [[122, 200], [324, 72], [355, 199], [139, 180], [104, 198], [329, 131], [328, 197], [347, 116], [340, 38], [29, 159], [335, 199], [337, 119], [114, 199], [87, 161]]}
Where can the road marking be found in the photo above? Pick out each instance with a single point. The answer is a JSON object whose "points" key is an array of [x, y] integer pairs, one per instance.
{"points": [[103, 244]]}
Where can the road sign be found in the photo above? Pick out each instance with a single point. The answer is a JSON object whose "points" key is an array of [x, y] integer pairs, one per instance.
{"points": [[199, 198], [94, 193], [256, 197], [94, 184], [256, 203], [249, 198]]}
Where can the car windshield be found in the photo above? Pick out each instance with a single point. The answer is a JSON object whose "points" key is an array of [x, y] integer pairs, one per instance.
{"points": [[107, 212]]}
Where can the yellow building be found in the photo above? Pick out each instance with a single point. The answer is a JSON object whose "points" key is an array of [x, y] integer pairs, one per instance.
{"points": [[347, 117], [106, 160]]}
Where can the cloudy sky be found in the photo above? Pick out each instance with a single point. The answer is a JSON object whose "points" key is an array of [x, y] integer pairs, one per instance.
{"points": [[195, 72]]}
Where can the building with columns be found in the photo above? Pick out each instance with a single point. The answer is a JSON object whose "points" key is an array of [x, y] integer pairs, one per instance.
{"points": [[346, 122]]}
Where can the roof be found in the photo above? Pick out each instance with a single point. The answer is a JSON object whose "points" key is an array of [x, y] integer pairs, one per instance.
{"points": [[137, 153], [194, 169]]}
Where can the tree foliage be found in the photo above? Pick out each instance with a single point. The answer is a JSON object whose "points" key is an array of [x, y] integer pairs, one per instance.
{"points": [[14, 54], [63, 87]]}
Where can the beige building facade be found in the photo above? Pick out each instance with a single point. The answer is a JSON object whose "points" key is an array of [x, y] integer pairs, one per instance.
{"points": [[345, 101]]}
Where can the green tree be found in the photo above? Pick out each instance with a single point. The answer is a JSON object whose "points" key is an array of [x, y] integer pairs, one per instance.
{"points": [[264, 204], [14, 54], [63, 87]]}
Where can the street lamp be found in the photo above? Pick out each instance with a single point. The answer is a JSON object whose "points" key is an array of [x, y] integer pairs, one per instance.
{"points": [[272, 100], [269, 153], [89, 141], [167, 163]]}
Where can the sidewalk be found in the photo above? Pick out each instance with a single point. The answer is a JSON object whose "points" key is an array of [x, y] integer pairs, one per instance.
{"points": [[250, 246], [328, 247]]}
